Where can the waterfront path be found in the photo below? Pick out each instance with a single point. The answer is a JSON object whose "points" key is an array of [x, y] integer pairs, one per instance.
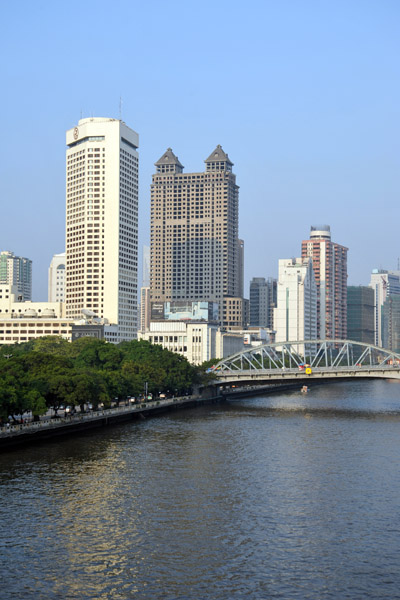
{"points": [[17, 434], [92, 416]]}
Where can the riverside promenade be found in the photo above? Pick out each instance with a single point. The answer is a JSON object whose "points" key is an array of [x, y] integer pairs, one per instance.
{"points": [[37, 431], [27, 433]]}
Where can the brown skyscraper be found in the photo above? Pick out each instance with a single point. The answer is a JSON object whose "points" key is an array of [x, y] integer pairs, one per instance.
{"points": [[330, 269], [195, 250]]}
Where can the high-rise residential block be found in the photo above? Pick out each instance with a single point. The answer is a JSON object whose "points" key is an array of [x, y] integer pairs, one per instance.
{"points": [[195, 250], [330, 269], [102, 222], [16, 271], [360, 314], [57, 278], [295, 317], [384, 284]]}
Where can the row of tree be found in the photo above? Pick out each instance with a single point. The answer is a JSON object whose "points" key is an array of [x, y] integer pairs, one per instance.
{"points": [[50, 372]]}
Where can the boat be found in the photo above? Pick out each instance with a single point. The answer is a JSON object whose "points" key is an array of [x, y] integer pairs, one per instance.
{"points": [[304, 389]]}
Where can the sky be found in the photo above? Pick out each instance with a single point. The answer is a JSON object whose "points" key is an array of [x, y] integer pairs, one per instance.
{"points": [[303, 95]]}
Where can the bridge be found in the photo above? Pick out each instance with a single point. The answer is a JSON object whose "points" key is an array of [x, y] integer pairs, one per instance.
{"points": [[303, 361]]}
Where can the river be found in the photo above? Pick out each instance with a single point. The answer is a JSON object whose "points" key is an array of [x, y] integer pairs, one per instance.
{"points": [[283, 496]]}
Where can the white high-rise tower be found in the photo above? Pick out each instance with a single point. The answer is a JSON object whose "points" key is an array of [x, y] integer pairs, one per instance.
{"points": [[102, 222]]}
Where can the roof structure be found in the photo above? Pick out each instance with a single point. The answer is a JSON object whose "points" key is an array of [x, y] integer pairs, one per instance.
{"points": [[218, 156], [168, 158]]}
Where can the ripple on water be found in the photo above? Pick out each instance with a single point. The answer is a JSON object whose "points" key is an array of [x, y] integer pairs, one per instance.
{"points": [[275, 497]]}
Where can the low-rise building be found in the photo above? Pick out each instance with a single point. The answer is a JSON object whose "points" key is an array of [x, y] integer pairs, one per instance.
{"points": [[198, 341], [23, 321]]}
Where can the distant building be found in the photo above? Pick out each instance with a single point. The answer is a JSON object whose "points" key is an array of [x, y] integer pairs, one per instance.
{"points": [[16, 271], [241, 267], [235, 311], [146, 266], [391, 323], [262, 302], [360, 314], [384, 284], [330, 269], [102, 222], [144, 308], [296, 312], [57, 278]]}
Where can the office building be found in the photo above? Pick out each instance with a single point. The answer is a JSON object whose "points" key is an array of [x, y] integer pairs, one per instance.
{"points": [[384, 284], [330, 269], [16, 271], [360, 314], [57, 278], [195, 250], [391, 323], [263, 300], [295, 316], [102, 223]]}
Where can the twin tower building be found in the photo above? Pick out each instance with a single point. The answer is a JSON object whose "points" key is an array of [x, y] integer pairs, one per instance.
{"points": [[196, 255], [195, 251]]}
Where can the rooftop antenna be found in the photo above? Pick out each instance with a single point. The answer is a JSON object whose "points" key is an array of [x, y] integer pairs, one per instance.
{"points": [[81, 114], [120, 108]]}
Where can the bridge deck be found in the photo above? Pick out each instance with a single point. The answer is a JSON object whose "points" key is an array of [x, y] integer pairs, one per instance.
{"points": [[286, 374]]}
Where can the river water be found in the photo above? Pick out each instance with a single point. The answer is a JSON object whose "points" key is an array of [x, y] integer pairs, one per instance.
{"points": [[284, 496]]}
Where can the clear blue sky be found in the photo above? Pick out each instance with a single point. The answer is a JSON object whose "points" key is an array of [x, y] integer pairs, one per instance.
{"points": [[303, 95]]}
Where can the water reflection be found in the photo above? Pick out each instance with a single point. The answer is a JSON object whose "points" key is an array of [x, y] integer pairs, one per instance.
{"points": [[284, 496]]}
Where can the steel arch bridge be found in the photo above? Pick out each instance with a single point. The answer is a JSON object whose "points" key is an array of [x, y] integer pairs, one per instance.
{"points": [[307, 359]]}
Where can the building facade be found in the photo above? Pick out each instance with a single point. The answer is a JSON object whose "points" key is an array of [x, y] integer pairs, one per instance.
{"points": [[198, 341], [195, 253], [144, 308], [391, 323], [360, 314], [384, 284], [295, 316], [330, 269], [57, 278], [16, 271], [263, 298], [234, 312], [146, 266], [102, 222], [24, 321]]}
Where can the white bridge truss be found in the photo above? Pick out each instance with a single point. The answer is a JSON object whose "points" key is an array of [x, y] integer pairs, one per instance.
{"points": [[323, 355]]}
